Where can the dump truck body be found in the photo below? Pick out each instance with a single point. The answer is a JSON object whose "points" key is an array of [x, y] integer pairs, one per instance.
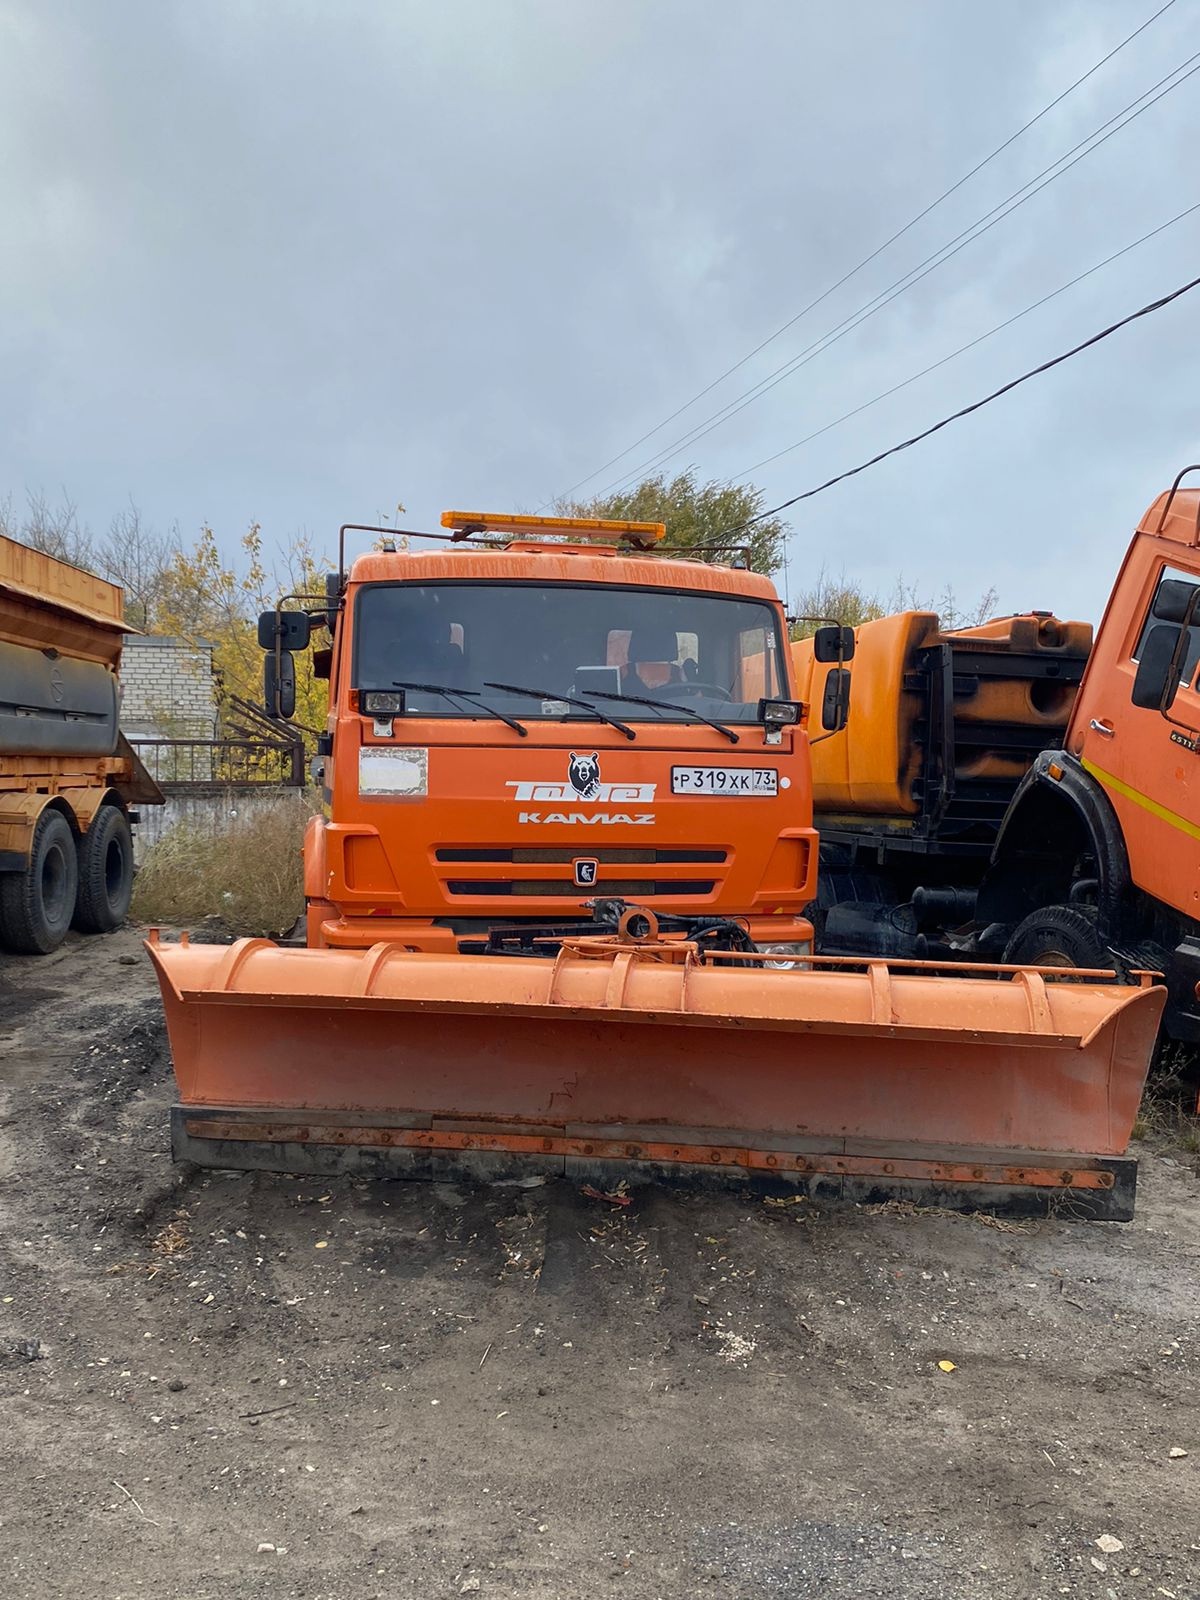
{"points": [[555, 922], [910, 797], [68, 779], [1087, 851]]}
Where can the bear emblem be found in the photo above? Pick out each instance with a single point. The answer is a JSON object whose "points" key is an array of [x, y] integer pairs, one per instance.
{"points": [[584, 773]]}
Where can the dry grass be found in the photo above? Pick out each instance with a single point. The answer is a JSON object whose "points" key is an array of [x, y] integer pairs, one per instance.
{"points": [[173, 1238], [1168, 1109], [248, 873], [909, 1208]]}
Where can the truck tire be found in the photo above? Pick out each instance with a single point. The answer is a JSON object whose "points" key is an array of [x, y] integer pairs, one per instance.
{"points": [[105, 872], [36, 905], [1057, 936]]}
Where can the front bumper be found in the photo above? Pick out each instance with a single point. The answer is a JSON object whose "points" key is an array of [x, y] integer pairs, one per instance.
{"points": [[328, 932]]}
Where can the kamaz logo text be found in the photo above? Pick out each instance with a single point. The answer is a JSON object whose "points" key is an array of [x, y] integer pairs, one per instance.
{"points": [[613, 794], [589, 819]]}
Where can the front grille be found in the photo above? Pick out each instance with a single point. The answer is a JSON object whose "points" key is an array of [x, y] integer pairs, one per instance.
{"points": [[562, 855], [560, 888]]}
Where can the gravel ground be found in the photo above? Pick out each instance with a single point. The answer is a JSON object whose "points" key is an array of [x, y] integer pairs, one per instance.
{"points": [[220, 1385]]}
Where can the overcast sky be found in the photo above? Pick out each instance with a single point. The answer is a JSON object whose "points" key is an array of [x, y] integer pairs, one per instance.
{"points": [[297, 262]]}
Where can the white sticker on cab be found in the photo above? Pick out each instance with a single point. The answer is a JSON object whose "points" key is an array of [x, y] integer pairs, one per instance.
{"points": [[395, 774]]}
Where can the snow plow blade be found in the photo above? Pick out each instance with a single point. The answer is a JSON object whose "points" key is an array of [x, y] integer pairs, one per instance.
{"points": [[997, 1088]]}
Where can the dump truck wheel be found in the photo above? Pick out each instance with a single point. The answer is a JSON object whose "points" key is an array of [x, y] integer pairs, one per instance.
{"points": [[1057, 936], [105, 873], [36, 905]]}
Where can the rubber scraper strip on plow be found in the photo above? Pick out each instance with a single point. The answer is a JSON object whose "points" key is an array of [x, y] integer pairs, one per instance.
{"points": [[994, 1087]]}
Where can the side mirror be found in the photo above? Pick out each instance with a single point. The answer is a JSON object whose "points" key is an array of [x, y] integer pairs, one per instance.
{"points": [[1175, 601], [1157, 680], [279, 688], [835, 705], [334, 589], [833, 644], [294, 629]]}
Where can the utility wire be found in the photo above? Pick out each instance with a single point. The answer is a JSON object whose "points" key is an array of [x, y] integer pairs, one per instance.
{"points": [[978, 405], [854, 271], [970, 345], [976, 230]]}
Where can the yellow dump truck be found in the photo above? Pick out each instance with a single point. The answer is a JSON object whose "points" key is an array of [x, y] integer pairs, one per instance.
{"points": [[68, 778]]}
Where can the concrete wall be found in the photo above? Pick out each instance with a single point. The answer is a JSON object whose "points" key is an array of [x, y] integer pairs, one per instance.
{"points": [[170, 692], [214, 812], [168, 689]]}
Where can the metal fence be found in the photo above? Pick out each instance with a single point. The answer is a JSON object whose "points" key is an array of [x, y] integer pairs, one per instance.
{"points": [[200, 764]]}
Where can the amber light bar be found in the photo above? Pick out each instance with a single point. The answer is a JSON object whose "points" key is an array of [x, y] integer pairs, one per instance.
{"points": [[643, 533]]}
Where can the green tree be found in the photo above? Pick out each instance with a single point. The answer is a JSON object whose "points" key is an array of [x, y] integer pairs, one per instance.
{"points": [[696, 515], [951, 614], [830, 599], [203, 595], [845, 600]]}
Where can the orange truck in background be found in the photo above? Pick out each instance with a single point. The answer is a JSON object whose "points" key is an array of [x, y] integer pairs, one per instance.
{"points": [[556, 716], [68, 779], [1019, 792]]}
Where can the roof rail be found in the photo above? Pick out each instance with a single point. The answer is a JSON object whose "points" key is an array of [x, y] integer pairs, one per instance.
{"points": [[465, 524], [1162, 519]]}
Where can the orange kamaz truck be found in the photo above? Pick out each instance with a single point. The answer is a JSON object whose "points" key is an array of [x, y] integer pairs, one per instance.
{"points": [[520, 728], [1021, 792], [68, 779], [556, 913]]}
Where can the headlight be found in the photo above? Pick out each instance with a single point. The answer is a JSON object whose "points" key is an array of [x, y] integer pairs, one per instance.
{"points": [[792, 954], [779, 713], [382, 702]]}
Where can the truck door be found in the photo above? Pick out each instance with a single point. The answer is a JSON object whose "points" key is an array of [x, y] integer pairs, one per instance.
{"points": [[1146, 764]]}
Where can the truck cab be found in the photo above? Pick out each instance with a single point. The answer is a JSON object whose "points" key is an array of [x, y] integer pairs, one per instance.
{"points": [[550, 715], [1100, 853]]}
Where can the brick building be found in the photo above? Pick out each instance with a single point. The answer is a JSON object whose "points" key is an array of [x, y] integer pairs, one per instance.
{"points": [[168, 688]]}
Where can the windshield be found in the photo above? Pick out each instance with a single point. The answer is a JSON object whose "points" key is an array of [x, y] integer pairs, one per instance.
{"points": [[714, 654]]}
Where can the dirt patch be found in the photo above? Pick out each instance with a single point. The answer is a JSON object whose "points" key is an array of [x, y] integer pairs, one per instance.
{"points": [[254, 1385]]}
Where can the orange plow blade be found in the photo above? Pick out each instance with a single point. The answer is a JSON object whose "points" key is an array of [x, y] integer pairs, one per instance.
{"points": [[614, 1058]]}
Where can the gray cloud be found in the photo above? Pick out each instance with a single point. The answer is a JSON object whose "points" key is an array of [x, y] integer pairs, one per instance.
{"points": [[297, 263]]}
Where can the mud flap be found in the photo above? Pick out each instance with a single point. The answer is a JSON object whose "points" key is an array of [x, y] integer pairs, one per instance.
{"points": [[997, 1087]]}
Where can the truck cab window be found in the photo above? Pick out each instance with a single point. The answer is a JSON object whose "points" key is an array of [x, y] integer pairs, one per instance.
{"points": [[1161, 610], [700, 649]]}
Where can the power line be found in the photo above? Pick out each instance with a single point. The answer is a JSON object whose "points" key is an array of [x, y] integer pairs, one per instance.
{"points": [[853, 272], [970, 345], [906, 444], [976, 230]]}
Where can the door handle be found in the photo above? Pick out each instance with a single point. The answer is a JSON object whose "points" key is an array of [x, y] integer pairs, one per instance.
{"points": [[1106, 728]]}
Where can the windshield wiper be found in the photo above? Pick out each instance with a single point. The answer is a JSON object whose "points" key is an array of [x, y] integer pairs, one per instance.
{"points": [[469, 695], [670, 705], [585, 705]]}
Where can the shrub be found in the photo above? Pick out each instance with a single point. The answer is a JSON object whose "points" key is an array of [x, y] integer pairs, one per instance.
{"points": [[247, 872]]}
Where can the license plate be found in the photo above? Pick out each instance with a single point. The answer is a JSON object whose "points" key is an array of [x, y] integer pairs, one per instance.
{"points": [[724, 780]]}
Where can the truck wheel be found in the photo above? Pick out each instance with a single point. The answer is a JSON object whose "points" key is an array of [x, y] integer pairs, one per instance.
{"points": [[36, 905], [1057, 936], [105, 872]]}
